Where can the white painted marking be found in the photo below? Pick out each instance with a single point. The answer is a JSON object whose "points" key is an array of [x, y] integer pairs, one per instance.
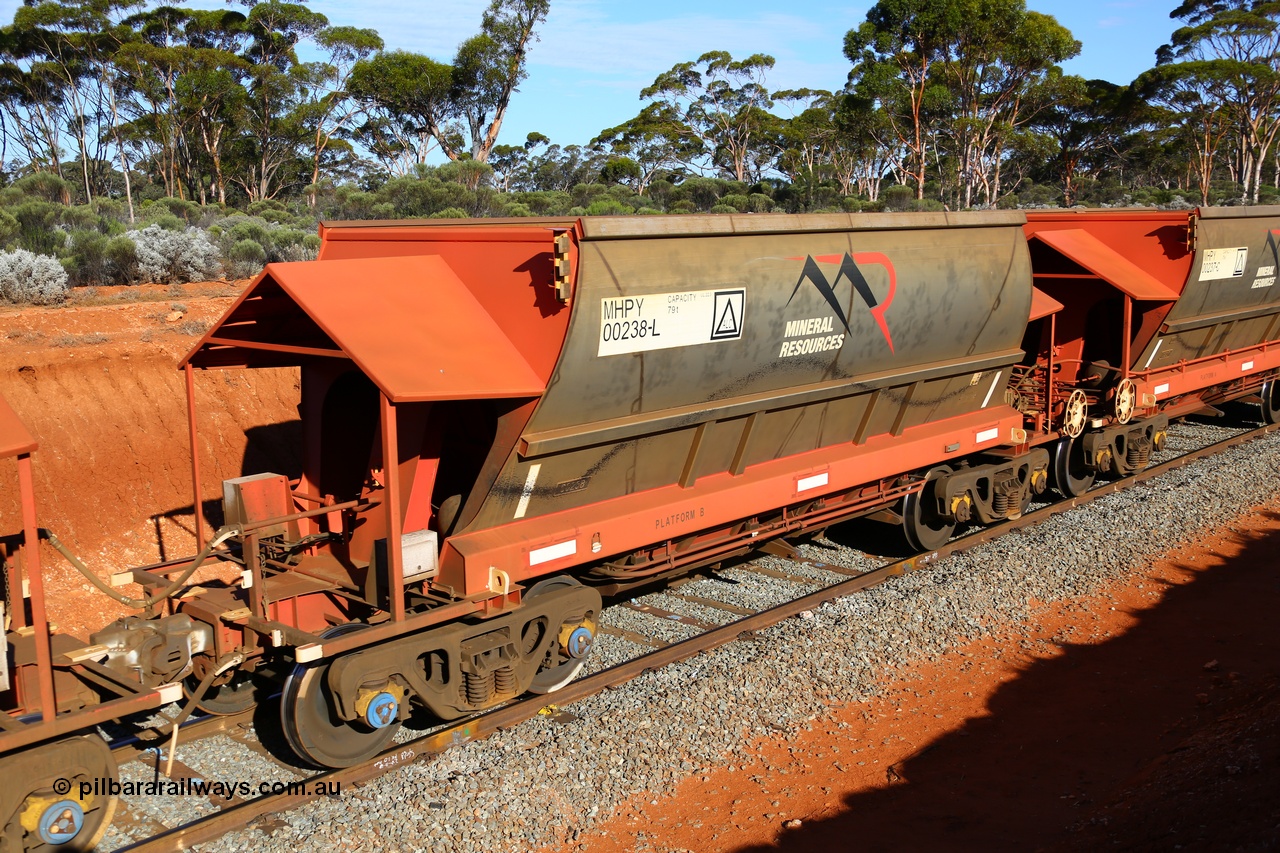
{"points": [[656, 321], [992, 389], [1248, 365], [1224, 263], [308, 653], [553, 552], [527, 492], [1162, 389], [1152, 357], [170, 693], [987, 435], [804, 484]]}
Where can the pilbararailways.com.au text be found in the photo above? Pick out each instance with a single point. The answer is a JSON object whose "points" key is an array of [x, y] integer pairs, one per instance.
{"points": [[225, 789]]}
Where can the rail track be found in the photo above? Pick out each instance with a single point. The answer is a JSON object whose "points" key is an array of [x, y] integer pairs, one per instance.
{"points": [[236, 813]]}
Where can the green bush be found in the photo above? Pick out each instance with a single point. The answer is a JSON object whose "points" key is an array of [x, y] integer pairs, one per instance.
{"points": [[245, 259], [158, 214], [87, 262], [449, 213], [249, 228], [38, 223], [723, 208], [737, 201], [122, 255], [44, 186], [272, 210], [10, 230], [609, 207], [187, 211], [897, 197]]}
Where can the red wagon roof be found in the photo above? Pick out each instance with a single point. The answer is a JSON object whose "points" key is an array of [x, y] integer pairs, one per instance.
{"points": [[408, 323], [15, 440]]}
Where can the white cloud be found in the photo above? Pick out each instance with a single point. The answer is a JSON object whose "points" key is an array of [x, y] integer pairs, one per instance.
{"points": [[435, 28]]}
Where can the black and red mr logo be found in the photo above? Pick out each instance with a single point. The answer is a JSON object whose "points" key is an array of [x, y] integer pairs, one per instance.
{"points": [[849, 270]]}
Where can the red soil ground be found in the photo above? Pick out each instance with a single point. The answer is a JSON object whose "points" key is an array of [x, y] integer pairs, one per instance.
{"points": [[96, 383]]}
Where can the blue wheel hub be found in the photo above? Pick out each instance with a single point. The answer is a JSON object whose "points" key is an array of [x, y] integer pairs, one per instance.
{"points": [[382, 711], [61, 822], [579, 642]]}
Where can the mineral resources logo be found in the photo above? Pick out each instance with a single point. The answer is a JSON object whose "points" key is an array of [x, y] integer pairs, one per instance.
{"points": [[850, 271]]}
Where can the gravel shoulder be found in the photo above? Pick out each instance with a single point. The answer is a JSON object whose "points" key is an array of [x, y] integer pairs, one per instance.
{"points": [[698, 734]]}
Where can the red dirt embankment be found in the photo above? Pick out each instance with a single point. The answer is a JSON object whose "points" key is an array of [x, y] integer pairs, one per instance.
{"points": [[97, 385]]}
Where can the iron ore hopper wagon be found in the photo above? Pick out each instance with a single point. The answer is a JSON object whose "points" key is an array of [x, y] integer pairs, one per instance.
{"points": [[503, 420]]}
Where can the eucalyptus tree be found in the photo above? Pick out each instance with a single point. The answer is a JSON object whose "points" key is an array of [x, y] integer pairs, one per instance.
{"points": [[1082, 126], [510, 163], [407, 102], [490, 66], [1228, 52], [326, 104], [1000, 62], [724, 104], [30, 104], [273, 127], [70, 78], [895, 54], [1187, 97], [187, 101], [656, 141]]}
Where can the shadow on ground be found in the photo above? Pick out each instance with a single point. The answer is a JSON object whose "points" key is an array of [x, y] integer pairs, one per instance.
{"points": [[1166, 737]]}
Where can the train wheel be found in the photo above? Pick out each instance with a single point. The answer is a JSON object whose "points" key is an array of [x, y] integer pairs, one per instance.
{"points": [[1070, 475], [1270, 394], [312, 726], [924, 529], [54, 797], [551, 679]]}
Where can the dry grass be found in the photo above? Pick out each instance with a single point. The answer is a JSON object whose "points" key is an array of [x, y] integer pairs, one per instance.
{"points": [[25, 336], [90, 339]]}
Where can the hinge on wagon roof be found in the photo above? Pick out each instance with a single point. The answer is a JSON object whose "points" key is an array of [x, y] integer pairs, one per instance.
{"points": [[1191, 233], [562, 265]]}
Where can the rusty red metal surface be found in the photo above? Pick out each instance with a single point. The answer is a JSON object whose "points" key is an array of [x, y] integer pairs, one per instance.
{"points": [[1081, 246], [408, 323], [14, 437]]}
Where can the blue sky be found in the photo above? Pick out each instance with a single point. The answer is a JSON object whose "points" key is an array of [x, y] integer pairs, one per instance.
{"points": [[594, 56]]}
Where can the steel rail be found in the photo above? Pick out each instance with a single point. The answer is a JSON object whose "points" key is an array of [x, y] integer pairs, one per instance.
{"points": [[240, 815]]}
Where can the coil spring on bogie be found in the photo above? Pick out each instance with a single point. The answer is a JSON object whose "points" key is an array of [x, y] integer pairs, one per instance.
{"points": [[479, 687], [1138, 454], [1001, 502], [504, 681]]}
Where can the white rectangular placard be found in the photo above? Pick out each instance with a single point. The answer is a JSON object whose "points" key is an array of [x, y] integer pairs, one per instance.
{"points": [[804, 484], [666, 320], [553, 552], [1224, 263]]}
